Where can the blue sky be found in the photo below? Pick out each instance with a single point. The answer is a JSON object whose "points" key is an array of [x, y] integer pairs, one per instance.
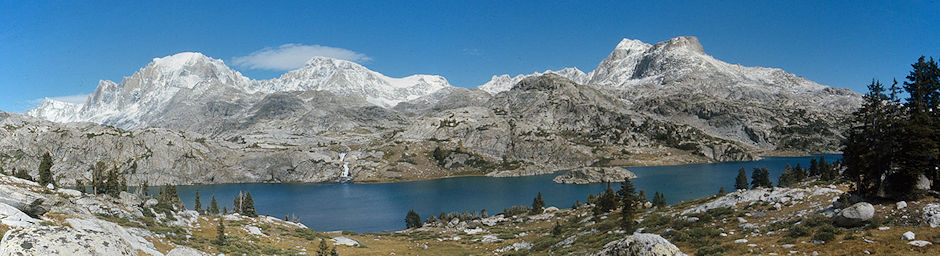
{"points": [[55, 49]]}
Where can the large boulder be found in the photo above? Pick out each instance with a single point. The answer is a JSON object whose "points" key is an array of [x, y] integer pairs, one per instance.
{"points": [[856, 215], [931, 214], [13, 217], [28, 202], [640, 245], [60, 240]]}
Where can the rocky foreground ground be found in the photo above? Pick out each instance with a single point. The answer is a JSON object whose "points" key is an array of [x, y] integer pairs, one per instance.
{"points": [[806, 220]]}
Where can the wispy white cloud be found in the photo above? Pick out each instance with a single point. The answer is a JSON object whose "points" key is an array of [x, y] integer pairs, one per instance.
{"points": [[472, 51], [74, 99], [292, 56]]}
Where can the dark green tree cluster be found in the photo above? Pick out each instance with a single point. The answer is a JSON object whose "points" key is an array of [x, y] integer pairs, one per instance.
{"points": [[896, 140], [792, 176], [741, 181], [107, 181], [45, 170], [606, 202], [413, 220], [761, 178], [538, 205], [168, 198], [243, 204], [629, 201], [324, 249], [659, 200]]}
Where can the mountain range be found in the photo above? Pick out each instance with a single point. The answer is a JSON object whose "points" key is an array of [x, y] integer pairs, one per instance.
{"points": [[644, 104]]}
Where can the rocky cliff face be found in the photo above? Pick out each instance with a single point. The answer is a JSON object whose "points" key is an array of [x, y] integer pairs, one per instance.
{"points": [[667, 103]]}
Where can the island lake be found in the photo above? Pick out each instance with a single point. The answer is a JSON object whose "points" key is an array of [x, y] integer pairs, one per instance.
{"points": [[382, 206]]}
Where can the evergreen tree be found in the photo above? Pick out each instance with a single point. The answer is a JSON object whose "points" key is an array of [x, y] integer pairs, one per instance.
{"points": [[224, 210], [659, 200], [213, 206], [577, 204], [642, 198], [538, 205], [628, 200], [45, 170], [220, 235], [756, 179], [920, 152], [813, 168], [249, 208], [741, 181], [324, 248], [557, 230], [606, 202], [721, 191], [198, 203], [333, 252], [412, 220]]}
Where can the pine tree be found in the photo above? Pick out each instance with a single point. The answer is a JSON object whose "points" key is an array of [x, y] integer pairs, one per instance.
{"points": [[741, 180], [642, 197], [628, 200], [45, 170], [198, 203], [333, 252], [920, 152], [659, 200], [577, 204], [813, 168], [721, 191], [538, 205], [606, 202], [412, 220], [324, 248], [220, 236], [249, 208], [213, 206]]}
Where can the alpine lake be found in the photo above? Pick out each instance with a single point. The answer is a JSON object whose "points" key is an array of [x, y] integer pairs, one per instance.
{"points": [[379, 207]]}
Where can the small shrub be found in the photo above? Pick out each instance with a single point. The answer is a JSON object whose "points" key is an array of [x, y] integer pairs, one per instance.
{"points": [[710, 251], [798, 231]]}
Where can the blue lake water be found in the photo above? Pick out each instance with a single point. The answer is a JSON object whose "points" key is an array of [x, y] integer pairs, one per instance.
{"points": [[382, 207]]}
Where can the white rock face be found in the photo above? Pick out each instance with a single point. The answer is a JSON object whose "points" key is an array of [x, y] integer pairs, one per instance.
{"points": [[640, 244], [13, 217], [56, 240], [126, 235], [919, 243]]}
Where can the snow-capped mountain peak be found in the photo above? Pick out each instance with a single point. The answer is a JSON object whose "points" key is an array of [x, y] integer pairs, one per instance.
{"points": [[504, 82], [349, 78], [55, 110]]}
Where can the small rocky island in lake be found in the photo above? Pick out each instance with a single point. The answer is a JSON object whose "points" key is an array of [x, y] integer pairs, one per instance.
{"points": [[587, 175]]}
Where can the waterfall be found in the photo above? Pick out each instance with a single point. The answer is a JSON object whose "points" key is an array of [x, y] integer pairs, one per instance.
{"points": [[342, 158]]}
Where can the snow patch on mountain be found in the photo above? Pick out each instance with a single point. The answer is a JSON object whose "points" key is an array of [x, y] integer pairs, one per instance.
{"points": [[55, 110]]}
